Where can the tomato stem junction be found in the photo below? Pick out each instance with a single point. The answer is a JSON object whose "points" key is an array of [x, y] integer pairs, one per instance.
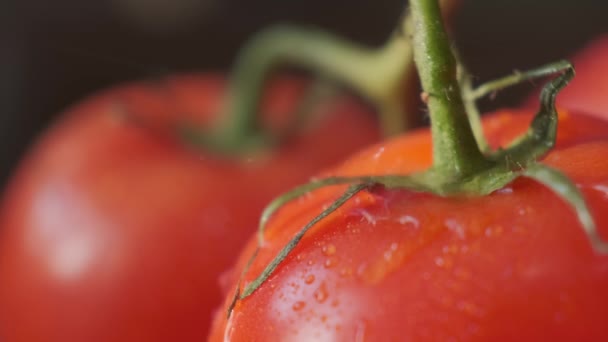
{"points": [[455, 150], [460, 168]]}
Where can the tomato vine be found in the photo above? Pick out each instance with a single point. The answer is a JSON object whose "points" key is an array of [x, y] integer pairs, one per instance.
{"points": [[461, 163]]}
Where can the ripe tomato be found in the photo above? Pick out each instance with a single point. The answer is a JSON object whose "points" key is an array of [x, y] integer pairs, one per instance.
{"points": [[111, 231], [587, 91], [396, 265]]}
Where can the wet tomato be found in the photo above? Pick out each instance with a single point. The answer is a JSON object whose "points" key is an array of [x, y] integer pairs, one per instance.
{"points": [[397, 265], [112, 230]]}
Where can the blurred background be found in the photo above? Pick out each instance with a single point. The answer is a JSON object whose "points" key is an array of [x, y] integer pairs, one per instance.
{"points": [[54, 53]]}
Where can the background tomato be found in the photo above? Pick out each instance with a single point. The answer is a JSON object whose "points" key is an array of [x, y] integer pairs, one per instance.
{"points": [[394, 265], [54, 54], [588, 92], [115, 231]]}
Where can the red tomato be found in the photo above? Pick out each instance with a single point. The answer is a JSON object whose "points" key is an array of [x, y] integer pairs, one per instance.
{"points": [[588, 91], [396, 265], [111, 232]]}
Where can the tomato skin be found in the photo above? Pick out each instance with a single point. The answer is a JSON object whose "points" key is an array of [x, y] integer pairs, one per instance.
{"points": [[111, 231], [393, 265], [587, 91]]}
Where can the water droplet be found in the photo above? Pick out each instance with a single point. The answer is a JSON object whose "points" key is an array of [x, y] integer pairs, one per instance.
{"points": [[455, 227], [329, 249], [388, 255], [321, 293], [505, 190], [309, 279], [379, 153], [367, 216], [330, 262], [299, 305], [493, 231], [521, 211], [346, 272], [601, 188], [311, 262], [451, 249], [299, 257], [439, 261], [409, 220]]}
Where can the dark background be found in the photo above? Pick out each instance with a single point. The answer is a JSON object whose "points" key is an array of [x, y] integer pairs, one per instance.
{"points": [[53, 53]]}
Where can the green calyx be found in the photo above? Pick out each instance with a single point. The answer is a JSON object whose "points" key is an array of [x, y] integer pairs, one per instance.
{"points": [[463, 164]]}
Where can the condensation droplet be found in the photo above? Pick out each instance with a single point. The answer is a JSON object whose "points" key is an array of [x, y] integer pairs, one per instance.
{"points": [[330, 262], [601, 188], [455, 227], [329, 249], [505, 190], [368, 217], [388, 255], [451, 249], [346, 272], [439, 261], [493, 231], [321, 293], [299, 305], [379, 153], [309, 279], [409, 220]]}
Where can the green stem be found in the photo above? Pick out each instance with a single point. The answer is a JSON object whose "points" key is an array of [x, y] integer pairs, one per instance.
{"points": [[374, 74], [455, 151], [384, 77]]}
